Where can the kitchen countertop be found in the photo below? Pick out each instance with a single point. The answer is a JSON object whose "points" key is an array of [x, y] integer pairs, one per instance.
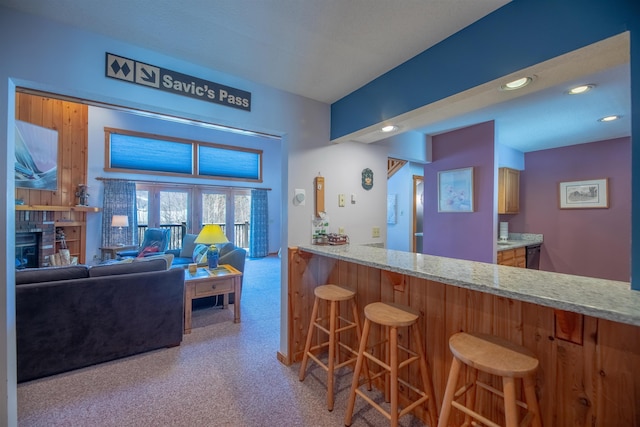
{"points": [[605, 299], [519, 240]]}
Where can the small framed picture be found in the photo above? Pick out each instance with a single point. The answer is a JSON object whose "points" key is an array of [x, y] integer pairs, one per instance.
{"points": [[392, 203], [455, 190], [584, 194]]}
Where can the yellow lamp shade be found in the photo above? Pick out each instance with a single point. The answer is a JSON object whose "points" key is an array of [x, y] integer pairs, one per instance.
{"points": [[210, 235]]}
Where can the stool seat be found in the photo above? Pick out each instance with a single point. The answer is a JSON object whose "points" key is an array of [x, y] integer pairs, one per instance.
{"points": [[389, 314], [333, 293], [493, 354]]}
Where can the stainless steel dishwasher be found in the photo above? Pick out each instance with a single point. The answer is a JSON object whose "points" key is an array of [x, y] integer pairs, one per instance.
{"points": [[533, 256]]}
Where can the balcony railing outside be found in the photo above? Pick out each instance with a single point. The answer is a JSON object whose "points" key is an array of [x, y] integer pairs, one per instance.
{"points": [[241, 233]]}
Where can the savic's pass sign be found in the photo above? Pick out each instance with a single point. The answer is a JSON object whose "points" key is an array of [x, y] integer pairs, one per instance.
{"points": [[140, 73]]}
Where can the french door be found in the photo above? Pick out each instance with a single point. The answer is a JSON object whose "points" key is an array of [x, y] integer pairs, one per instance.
{"points": [[186, 208], [231, 209], [163, 206]]}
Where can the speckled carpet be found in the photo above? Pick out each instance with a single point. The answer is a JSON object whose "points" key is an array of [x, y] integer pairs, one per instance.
{"points": [[223, 374]]}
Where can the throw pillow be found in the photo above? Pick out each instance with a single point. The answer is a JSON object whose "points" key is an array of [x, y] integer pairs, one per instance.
{"points": [[225, 248], [148, 250], [200, 254], [188, 245]]}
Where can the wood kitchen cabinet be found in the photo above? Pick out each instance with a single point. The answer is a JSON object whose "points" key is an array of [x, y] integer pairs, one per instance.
{"points": [[513, 257], [508, 191]]}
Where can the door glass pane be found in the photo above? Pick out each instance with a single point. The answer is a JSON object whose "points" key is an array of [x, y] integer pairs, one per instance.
{"points": [[214, 209], [142, 202], [174, 211], [242, 216]]}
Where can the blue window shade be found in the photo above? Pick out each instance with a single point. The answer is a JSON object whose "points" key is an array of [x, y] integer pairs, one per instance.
{"points": [[221, 162], [138, 153]]}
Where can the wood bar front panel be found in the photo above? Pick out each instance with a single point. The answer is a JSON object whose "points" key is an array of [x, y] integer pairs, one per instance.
{"points": [[593, 384]]}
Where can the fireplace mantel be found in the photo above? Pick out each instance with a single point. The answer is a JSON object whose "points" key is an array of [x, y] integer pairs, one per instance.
{"points": [[50, 208], [46, 218]]}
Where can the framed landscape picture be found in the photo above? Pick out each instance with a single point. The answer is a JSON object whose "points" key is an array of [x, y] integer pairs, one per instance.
{"points": [[584, 194], [455, 190], [36, 164]]}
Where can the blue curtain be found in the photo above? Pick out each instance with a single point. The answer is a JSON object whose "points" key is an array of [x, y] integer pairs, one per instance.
{"points": [[259, 225], [119, 199]]}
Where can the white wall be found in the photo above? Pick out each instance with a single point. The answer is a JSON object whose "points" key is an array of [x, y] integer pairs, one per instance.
{"points": [[341, 166], [411, 145], [46, 56], [99, 118], [400, 235]]}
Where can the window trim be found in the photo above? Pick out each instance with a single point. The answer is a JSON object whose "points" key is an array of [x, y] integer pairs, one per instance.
{"points": [[195, 145]]}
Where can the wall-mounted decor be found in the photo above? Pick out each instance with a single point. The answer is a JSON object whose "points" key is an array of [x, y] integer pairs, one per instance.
{"points": [[367, 179], [152, 76], [392, 208], [319, 194], [36, 164], [584, 194], [455, 190]]}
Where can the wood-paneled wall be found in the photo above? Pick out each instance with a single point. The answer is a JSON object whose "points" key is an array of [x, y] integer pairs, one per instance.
{"points": [[70, 120], [593, 384]]}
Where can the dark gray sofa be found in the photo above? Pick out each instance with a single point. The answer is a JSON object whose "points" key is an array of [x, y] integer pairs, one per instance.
{"points": [[76, 316]]}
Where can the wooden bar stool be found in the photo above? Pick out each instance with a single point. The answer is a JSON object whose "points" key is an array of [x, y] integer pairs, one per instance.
{"points": [[392, 317], [495, 356], [332, 294]]}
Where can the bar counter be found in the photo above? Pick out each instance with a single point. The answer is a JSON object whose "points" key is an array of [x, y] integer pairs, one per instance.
{"points": [[606, 299], [585, 332]]}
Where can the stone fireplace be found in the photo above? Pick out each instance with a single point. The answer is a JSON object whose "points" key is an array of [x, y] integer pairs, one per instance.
{"points": [[35, 238]]}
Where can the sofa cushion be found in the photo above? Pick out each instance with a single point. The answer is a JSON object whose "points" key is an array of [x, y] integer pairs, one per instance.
{"points": [[200, 253], [143, 265], [188, 245], [165, 256], [51, 274]]}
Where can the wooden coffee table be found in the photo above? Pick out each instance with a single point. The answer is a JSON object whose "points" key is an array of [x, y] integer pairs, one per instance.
{"points": [[222, 280]]}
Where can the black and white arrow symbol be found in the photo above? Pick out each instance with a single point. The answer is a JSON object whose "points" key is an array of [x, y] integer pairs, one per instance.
{"points": [[147, 75]]}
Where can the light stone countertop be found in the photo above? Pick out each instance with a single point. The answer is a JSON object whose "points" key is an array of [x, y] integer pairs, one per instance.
{"points": [[519, 240], [503, 245], [606, 299]]}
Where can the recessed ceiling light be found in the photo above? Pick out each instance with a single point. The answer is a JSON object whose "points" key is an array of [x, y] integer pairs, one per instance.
{"points": [[389, 128], [609, 118], [517, 84], [580, 89]]}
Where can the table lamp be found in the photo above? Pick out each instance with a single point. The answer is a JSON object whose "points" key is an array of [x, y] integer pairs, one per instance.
{"points": [[210, 235], [120, 221]]}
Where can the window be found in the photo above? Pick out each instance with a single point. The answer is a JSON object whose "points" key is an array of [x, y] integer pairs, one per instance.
{"points": [[159, 156], [146, 153], [224, 162], [184, 208]]}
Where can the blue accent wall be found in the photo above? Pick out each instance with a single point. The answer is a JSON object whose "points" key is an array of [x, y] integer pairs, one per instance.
{"points": [[520, 34]]}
